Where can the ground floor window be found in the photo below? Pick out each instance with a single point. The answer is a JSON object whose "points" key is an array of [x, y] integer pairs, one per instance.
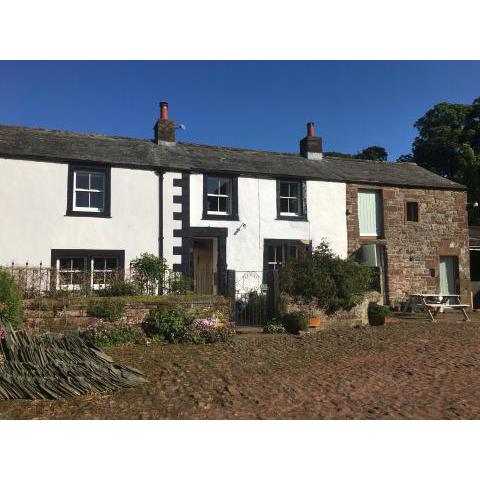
{"points": [[278, 252], [86, 269]]}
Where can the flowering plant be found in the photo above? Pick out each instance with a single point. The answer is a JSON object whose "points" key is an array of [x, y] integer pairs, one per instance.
{"points": [[105, 334]]}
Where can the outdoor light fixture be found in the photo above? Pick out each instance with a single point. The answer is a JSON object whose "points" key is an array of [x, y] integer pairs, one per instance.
{"points": [[243, 225]]}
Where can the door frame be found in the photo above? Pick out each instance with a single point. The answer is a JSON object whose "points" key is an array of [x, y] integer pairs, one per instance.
{"points": [[221, 235]]}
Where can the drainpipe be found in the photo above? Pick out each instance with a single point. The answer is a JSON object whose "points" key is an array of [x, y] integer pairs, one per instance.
{"points": [[160, 213]]}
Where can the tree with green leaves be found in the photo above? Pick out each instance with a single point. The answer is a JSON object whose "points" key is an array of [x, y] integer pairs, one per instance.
{"points": [[374, 152], [448, 143]]}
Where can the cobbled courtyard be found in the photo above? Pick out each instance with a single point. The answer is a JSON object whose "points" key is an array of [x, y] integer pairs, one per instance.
{"points": [[411, 369]]}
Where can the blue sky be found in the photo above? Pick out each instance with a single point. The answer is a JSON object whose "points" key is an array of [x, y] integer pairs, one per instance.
{"points": [[249, 104]]}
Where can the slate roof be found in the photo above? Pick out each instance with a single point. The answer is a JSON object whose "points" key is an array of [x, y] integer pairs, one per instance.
{"points": [[55, 145]]}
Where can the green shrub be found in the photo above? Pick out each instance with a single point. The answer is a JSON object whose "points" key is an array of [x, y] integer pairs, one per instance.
{"points": [[119, 289], [167, 323], [109, 309], [175, 326], [273, 328], [110, 335], [294, 322], [208, 331], [11, 311], [149, 272], [176, 284], [335, 283]]}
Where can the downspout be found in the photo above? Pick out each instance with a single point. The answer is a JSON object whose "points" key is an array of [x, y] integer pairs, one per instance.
{"points": [[160, 213], [160, 221]]}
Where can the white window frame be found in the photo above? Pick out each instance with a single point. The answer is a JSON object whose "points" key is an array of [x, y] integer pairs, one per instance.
{"points": [[276, 262], [89, 190], [105, 271], [71, 271], [299, 211], [221, 195], [91, 273]]}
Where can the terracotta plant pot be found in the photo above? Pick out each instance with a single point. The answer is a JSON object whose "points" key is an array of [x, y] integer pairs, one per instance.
{"points": [[376, 320], [314, 322]]}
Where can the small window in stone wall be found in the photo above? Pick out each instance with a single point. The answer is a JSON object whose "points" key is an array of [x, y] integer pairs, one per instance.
{"points": [[412, 211]]}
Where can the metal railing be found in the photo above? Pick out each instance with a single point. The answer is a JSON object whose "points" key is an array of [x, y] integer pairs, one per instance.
{"points": [[38, 280]]}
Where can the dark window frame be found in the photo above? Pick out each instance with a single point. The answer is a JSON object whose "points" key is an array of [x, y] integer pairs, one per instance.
{"points": [[106, 170], [302, 216], [233, 215], [407, 202], [284, 243]]}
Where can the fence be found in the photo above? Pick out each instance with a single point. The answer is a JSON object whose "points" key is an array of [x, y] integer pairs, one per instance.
{"points": [[35, 281]]}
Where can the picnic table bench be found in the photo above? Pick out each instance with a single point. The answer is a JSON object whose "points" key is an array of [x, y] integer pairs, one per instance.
{"points": [[433, 303]]}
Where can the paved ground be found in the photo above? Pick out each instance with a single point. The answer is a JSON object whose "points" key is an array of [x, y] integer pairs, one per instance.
{"points": [[409, 369]]}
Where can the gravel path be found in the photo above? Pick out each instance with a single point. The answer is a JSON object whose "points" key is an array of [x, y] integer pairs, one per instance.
{"points": [[409, 369]]}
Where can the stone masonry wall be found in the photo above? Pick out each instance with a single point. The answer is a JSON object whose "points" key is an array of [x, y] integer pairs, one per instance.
{"points": [[44, 317], [413, 248]]}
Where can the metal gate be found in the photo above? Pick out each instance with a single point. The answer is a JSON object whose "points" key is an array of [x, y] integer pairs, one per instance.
{"points": [[252, 298]]}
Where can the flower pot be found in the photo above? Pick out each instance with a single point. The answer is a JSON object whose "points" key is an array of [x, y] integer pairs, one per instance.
{"points": [[376, 320], [314, 322]]}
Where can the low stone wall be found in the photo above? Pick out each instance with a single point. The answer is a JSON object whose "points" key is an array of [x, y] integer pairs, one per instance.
{"points": [[358, 315], [56, 316]]}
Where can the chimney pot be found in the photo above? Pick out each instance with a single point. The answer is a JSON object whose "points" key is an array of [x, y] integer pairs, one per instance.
{"points": [[310, 129], [163, 110]]}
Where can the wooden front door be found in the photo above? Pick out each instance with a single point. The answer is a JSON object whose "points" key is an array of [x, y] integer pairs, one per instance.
{"points": [[203, 266]]}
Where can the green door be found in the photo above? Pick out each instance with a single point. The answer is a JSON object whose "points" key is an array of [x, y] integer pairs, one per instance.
{"points": [[449, 275]]}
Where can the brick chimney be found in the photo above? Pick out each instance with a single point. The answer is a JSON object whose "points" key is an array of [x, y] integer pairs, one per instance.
{"points": [[164, 128], [311, 146]]}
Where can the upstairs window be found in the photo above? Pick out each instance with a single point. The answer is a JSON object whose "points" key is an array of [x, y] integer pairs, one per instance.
{"points": [[88, 191], [290, 201], [412, 211], [220, 197], [370, 213]]}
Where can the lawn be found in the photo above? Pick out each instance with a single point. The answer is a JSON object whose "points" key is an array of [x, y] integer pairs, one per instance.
{"points": [[409, 369]]}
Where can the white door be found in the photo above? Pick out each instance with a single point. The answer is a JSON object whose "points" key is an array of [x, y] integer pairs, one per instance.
{"points": [[448, 275]]}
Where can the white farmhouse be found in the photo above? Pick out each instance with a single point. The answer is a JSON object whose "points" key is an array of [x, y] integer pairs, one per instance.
{"points": [[82, 202]]}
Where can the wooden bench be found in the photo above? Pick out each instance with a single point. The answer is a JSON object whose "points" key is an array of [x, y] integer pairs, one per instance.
{"points": [[434, 308], [433, 303]]}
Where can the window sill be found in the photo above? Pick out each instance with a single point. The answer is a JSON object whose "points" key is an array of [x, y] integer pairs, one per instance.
{"points": [[209, 216], [289, 218], [73, 213]]}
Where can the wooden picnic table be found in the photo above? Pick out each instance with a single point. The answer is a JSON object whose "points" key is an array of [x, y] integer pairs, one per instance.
{"points": [[433, 303]]}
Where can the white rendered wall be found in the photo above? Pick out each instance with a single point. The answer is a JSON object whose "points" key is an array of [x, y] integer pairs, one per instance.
{"points": [[33, 202], [257, 208]]}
